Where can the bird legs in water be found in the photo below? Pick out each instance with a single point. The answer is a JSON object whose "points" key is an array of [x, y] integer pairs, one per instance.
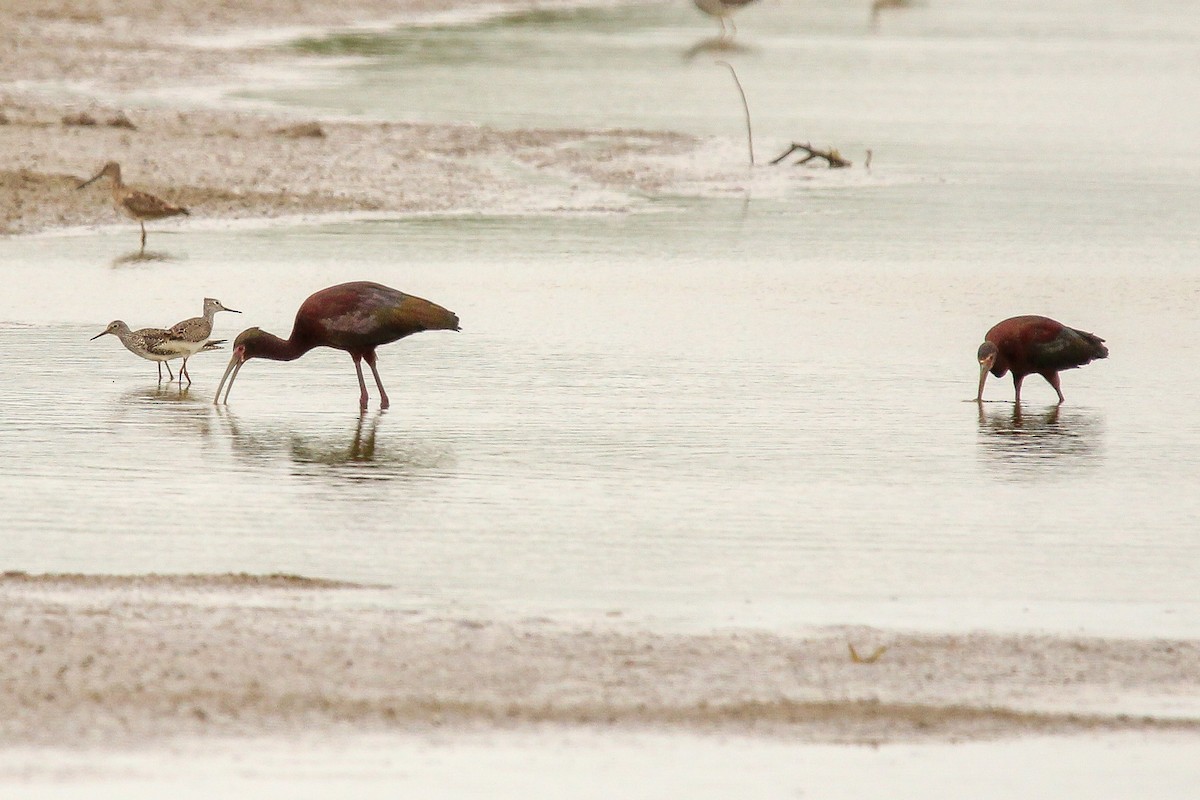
{"points": [[143, 224], [170, 375], [362, 384], [1051, 378], [183, 373]]}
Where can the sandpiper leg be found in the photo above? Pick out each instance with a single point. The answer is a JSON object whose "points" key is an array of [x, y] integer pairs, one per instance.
{"points": [[143, 224]]}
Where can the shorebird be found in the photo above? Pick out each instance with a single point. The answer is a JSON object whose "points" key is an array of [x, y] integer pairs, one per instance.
{"points": [[723, 11], [1033, 344], [356, 317], [152, 344], [191, 335], [133, 202]]}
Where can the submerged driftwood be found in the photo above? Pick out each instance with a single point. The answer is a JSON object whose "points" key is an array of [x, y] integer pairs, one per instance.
{"points": [[831, 156]]}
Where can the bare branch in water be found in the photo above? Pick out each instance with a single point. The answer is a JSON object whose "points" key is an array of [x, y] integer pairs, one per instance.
{"points": [[832, 157]]}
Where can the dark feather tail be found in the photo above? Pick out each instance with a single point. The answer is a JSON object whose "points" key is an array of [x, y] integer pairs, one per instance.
{"points": [[1095, 344], [427, 315]]}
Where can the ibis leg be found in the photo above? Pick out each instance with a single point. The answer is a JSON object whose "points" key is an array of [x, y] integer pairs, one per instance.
{"points": [[1053, 379], [1017, 385], [362, 384], [383, 398], [143, 224]]}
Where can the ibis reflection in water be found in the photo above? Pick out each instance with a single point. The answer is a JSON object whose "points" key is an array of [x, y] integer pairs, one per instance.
{"points": [[1032, 344], [361, 449], [356, 317], [1033, 441]]}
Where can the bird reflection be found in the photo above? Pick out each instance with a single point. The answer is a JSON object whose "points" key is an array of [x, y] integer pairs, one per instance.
{"points": [[142, 257], [1025, 442], [716, 44], [174, 409], [879, 6], [360, 450]]}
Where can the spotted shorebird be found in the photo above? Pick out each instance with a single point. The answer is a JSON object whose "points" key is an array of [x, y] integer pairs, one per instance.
{"points": [[152, 344], [723, 11], [133, 202], [191, 335]]}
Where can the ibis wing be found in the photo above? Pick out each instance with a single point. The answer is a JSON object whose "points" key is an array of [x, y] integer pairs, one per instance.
{"points": [[1069, 348], [365, 314]]}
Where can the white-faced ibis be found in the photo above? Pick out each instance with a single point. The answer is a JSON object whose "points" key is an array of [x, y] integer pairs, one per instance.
{"points": [[723, 11], [133, 202], [1032, 344], [191, 335], [152, 344], [356, 317]]}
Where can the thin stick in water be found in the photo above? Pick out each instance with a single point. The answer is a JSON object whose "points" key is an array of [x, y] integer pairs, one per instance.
{"points": [[745, 108]]}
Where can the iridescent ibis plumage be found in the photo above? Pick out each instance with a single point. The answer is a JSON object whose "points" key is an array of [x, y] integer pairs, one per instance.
{"points": [[356, 317], [134, 202], [1032, 344]]}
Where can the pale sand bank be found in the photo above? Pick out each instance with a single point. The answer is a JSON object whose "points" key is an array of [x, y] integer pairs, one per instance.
{"points": [[65, 66], [606, 764], [109, 660]]}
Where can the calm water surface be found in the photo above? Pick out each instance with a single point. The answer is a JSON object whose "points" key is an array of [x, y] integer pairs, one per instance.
{"points": [[718, 411]]}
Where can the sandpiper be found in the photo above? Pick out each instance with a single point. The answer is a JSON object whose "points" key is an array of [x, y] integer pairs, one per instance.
{"points": [[152, 344], [133, 202], [723, 11], [191, 335]]}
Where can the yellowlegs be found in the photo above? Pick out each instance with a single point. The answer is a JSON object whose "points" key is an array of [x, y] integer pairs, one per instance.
{"points": [[133, 202], [191, 336], [152, 344], [723, 11]]}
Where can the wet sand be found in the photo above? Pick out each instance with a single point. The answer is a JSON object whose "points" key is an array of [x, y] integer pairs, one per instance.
{"points": [[133, 660], [65, 66], [113, 661]]}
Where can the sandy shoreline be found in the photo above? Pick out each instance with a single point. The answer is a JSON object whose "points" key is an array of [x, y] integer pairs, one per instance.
{"points": [[131, 660], [238, 164]]}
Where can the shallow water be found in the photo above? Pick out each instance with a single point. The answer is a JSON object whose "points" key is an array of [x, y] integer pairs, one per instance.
{"points": [[745, 410]]}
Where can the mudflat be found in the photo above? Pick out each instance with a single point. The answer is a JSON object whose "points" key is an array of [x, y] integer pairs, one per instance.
{"points": [[103, 659]]}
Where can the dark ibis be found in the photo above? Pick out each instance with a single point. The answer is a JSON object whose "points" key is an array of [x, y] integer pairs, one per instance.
{"points": [[356, 317], [134, 202], [1033, 344]]}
